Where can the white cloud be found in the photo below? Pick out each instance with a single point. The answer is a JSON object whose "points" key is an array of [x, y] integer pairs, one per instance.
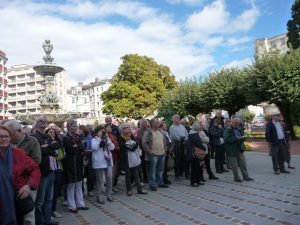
{"points": [[210, 19], [87, 45], [186, 2], [239, 63]]}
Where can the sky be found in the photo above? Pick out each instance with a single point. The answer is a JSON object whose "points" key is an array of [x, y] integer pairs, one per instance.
{"points": [[191, 37]]}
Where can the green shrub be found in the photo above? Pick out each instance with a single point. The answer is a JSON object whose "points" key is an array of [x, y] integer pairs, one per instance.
{"points": [[297, 131], [248, 146]]}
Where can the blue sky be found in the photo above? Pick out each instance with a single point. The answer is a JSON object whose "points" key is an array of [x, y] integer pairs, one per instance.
{"points": [[192, 37]]}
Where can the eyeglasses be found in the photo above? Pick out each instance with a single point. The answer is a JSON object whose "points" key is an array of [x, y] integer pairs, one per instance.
{"points": [[4, 137], [125, 128]]}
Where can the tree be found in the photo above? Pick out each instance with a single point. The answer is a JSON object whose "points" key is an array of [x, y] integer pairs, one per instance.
{"points": [[136, 87], [293, 26], [248, 116], [276, 79], [226, 89], [184, 100]]}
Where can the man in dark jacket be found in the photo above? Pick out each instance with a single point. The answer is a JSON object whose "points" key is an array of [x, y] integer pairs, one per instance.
{"points": [[43, 203], [275, 136]]}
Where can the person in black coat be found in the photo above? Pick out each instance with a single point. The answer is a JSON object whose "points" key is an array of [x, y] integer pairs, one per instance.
{"points": [[196, 165], [73, 167]]}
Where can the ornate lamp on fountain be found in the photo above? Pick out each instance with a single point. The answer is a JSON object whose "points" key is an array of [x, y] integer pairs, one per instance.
{"points": [[49, 100]]}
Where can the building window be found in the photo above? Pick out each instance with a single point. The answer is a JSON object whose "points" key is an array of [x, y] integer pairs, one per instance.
{"points": [[273, 44], [73, 100]]}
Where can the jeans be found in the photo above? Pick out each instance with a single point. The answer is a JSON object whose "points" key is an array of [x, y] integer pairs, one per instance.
{"points": [[156, 169], [58, 185], [43, 202]]}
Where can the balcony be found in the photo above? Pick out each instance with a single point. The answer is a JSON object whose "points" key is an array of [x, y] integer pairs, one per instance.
{"points": [[3, 93], [3, 106]]}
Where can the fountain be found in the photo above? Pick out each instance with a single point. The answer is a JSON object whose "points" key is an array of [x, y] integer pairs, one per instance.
{"points": [[49, 100]]}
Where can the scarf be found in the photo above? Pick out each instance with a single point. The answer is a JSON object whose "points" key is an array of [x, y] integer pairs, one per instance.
{"points": [[127, 137], [7, 190]]}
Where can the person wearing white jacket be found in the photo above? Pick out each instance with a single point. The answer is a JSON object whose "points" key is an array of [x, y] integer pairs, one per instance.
{"points": [[102, 162]]}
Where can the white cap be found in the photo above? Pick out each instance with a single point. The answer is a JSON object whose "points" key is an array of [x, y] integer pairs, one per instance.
{"points": [[275, 113]]}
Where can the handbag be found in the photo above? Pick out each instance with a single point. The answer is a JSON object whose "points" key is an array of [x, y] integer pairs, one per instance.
{"points": [[133, 158], [25, 205], [199, 153]]}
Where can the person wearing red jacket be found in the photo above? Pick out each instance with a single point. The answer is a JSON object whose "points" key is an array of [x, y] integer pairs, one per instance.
{"points": [[18, 174]]}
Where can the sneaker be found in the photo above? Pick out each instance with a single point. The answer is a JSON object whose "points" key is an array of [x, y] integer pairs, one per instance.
{"points": [[100, 201], [163, 185], [152, 188], [56, 214]]}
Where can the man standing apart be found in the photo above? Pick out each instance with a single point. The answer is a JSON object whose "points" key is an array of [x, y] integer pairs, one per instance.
{"points": [[275, 136], [31, 146], [155, 145]]}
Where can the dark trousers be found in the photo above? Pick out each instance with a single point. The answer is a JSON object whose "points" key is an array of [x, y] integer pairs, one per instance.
{"points": [[179, 154], [278, 153], [219, 157], [207, 165], [196, 171], [58, 185], [165, 174], [132, 173], [144, 167]]}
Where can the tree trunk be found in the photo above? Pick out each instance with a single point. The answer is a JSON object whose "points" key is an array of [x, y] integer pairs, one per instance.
{"points": [[285, 110]]}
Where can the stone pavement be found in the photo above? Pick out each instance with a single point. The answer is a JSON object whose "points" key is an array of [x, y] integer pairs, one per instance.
{"points": [[269, 199]]}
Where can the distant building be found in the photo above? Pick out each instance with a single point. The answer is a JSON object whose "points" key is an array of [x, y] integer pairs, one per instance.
{"points": [[264, 45], [25, 86], [3, 86], [85, 100]]}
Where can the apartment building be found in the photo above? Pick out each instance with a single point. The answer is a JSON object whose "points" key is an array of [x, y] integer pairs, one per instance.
{"points": [[85, 100], [3, 86], [264, 45], [25, 86]]}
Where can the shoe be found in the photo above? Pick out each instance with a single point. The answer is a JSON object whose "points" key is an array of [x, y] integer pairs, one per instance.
{"points": [[200, 183], [163, 185], [248, 179], [100, 201], [276, 172], [142, 192], [224, 170], [83, 208], [109, 199], [213, 177], [284, 171], [203, 180], [91, 194], [129, 193], [152, 188], [195, 185], [52, 218], [219, 171], [167, 182], [291, 167], [56, 214], [73, 211], [114, 190], [230, 168], [238, 180], [53, 222], [65, 203]]}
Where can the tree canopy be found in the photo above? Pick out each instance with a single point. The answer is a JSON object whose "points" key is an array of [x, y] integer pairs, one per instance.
{"points": [[293, 26], [136, 87]]}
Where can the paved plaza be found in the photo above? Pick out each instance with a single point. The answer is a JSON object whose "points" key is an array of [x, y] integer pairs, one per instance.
{"points": [[268, 200]]}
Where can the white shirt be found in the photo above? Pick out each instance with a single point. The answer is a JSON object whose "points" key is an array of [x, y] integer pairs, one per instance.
{"points": [[98, 159]]}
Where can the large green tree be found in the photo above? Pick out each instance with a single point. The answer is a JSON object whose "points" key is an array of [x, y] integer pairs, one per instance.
{"points": [[276, 79], [226, 89], [136, 87], [293, 26]]}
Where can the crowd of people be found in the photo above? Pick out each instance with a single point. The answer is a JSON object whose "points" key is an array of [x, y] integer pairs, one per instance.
{"points": [[39, 165]]}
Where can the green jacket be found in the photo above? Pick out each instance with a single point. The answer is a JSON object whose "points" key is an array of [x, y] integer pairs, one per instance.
{"points": [[231, 144]]}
